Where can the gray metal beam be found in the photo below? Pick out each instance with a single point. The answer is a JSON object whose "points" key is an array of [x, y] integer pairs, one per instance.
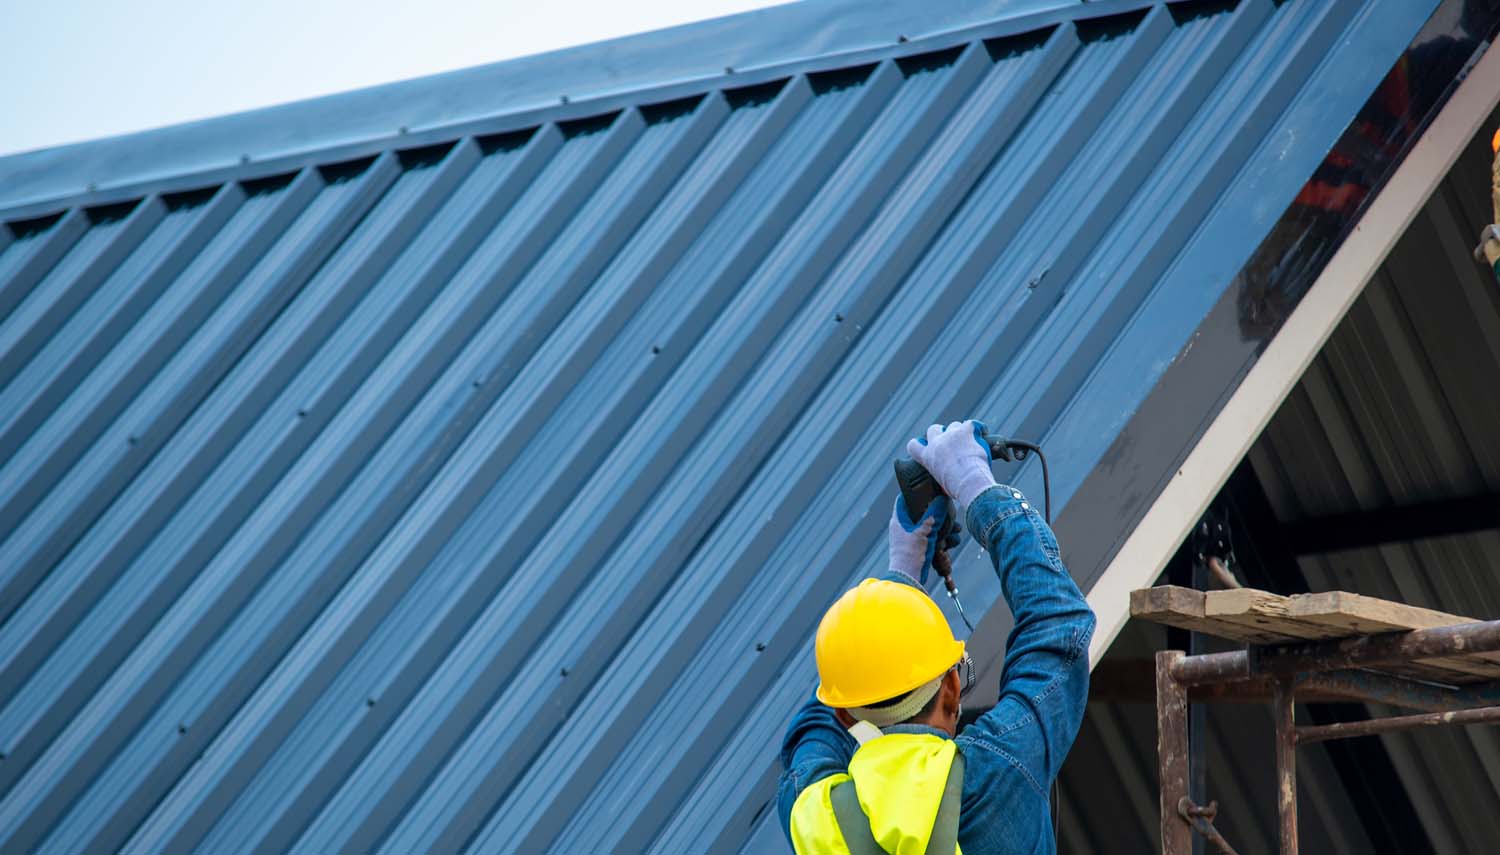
{"points": [[1361, 529]]}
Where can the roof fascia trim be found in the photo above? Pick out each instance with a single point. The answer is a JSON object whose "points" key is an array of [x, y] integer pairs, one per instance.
{"points": [[214, 151], [1250, 408]]}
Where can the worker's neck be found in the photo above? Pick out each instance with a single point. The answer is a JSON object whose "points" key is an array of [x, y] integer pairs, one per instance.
{"points": [[948, 724]]}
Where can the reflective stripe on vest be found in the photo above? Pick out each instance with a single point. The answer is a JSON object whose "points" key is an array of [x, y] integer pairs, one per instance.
{"points": [[900, 781]]}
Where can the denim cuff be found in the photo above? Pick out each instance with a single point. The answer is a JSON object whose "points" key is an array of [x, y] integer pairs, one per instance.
{"points": [[991, 507]]}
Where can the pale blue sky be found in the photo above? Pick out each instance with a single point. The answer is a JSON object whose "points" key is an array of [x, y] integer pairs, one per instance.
{"points": [[82, 69]]}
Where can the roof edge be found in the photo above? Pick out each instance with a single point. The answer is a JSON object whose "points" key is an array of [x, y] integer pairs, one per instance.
{"points": [[1260, 384], [738, 50]]}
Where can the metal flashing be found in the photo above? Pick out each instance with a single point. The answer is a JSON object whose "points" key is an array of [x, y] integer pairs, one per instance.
{"points": [[740, 50]]}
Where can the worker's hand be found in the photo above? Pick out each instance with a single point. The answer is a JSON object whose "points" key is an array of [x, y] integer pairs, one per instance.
{"points": [[1489, 244], [958, 457], [913, 543]]}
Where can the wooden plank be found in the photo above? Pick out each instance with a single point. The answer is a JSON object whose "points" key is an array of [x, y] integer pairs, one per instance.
{"points": [[1337, 614], [1169, 604], [1355, 614], [1260, 617], [1181, 607], [1261, 611]]}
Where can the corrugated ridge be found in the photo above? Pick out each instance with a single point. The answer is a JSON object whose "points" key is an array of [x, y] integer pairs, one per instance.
{"points": [[603, 416]]}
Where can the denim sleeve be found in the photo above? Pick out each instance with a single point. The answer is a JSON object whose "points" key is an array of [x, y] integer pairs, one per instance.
{"points": [[815, 746], [1045, 683]]}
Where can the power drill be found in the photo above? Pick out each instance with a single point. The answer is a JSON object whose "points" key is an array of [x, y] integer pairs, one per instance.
{"points": [[919, 488]]}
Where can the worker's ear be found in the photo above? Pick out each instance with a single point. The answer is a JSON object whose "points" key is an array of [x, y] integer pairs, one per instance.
{"points": [[952, 694], [844, 717]]}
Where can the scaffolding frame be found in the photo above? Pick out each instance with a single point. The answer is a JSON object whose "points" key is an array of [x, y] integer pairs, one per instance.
{"points": [[1283, 670]]}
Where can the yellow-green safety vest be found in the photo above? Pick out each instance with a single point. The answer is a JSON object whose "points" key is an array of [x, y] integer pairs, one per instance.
{"points": [[899, 780]]}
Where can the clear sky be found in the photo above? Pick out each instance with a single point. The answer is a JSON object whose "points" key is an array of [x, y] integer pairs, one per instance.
{"points": [[82, 69]]}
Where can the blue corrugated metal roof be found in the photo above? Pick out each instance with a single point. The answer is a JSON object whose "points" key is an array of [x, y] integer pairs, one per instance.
{"points": [[486, 494]]}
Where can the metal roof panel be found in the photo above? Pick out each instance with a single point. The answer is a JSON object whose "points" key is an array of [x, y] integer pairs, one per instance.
{"points": [[392, 501]]}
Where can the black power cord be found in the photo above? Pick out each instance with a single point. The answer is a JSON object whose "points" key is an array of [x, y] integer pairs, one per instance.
{"points": [[918, 488], [1021, 450]]}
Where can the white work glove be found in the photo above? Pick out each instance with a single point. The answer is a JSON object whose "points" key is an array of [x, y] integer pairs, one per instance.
{"points": [[958, 458], [912, 544]]}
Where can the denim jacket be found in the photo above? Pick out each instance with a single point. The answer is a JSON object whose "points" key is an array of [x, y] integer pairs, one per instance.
{"points": [[1013, 751]]}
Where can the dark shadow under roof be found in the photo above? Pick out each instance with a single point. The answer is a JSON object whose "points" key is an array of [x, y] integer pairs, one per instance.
{"points": [[1346, 490]]}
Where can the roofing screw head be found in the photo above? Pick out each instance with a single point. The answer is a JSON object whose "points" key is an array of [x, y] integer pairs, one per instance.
{"points": [[760, 646], [301, 414], [244, 158], [563, 98], [655, 349], [564, 672], [132, 440], [838, 319], [369, 702], [401, 130], [182, 728], [901, 40], [728, 69]]}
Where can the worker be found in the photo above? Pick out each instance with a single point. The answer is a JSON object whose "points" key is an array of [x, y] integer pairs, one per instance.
{"points": [[874, 762], [1488, 250]]}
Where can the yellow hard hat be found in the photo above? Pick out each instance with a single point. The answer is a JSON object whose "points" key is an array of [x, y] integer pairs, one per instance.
{"points": [[880, 640]]}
